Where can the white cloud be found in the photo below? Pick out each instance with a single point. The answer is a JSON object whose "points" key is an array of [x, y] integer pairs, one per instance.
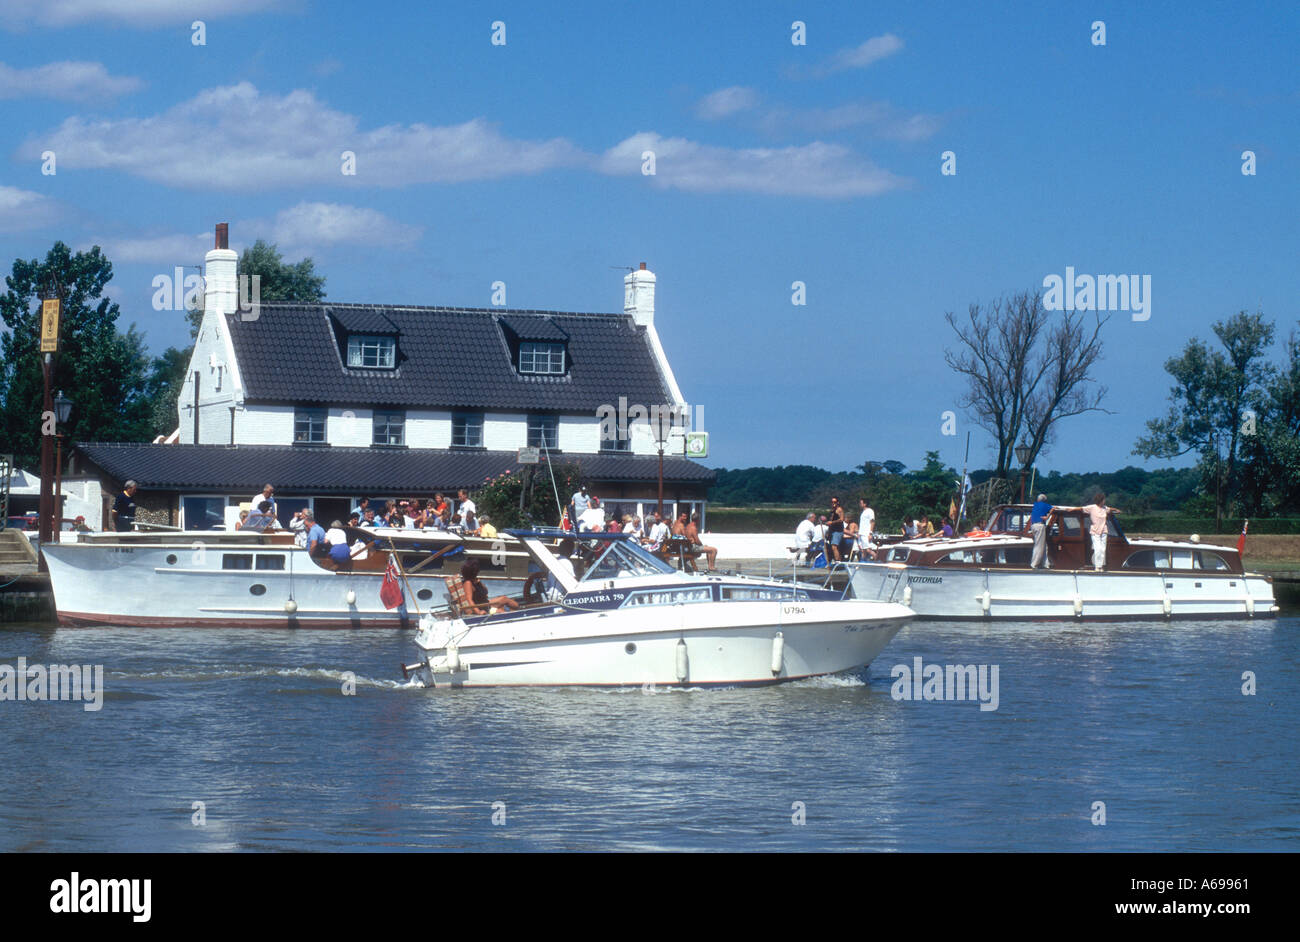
{"points": [[167, 250], [298, 230], [23, 14], [826, 171], [867, 54], [726, 101], [307, 227], [67, 81], [237, 138], [24, 209]]}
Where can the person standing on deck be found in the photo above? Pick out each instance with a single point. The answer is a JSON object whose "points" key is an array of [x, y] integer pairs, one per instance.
{"points": [[124, 508], [1098, 514], [866, 524], [1039, 518], [835, 528]]}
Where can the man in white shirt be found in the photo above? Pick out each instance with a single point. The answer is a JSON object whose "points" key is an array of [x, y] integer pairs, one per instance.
{"points": [[658, 533], [593, 518], [633, 526], [268, 493], [866, 525], [580, 502], [464, 504], [803, 535]]}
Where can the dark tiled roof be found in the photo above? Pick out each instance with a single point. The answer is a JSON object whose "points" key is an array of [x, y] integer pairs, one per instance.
{"points": [[349, 470], [533, 328], [448, 358]]}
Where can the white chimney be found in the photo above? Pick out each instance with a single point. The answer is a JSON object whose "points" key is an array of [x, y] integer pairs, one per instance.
{"points": [[220, 275], [639, 296]]}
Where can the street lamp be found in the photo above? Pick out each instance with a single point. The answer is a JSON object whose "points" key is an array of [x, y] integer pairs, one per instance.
{"points": [[62, 410], [1022, 455], [661, 430]]}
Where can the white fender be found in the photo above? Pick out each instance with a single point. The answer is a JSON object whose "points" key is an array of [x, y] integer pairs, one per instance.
{"points": [[1078, 605], [291, 606], [907, 596], [986, 601], [1168, 605], [683, 661], [778, 653], [1250, 606], [453, 658], [351, 597]]}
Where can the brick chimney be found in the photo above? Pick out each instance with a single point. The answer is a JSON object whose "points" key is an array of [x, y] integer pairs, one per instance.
{"points": [[639, 296]]}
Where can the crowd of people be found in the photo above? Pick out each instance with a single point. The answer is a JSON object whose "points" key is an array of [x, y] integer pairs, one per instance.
{"points": [[838, 535], [681, 537]]}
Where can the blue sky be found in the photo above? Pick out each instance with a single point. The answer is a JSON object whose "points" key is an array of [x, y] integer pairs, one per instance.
{"points": [[775, 163]]}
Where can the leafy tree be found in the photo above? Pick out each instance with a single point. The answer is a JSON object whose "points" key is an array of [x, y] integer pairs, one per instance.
{"points": [[1213, 391], [278, 280], [1271, 442], [102, 370], [1025, 373]]}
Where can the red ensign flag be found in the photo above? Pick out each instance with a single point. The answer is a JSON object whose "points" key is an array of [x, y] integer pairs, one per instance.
{"points": [[1241, 540], [390, 593]]}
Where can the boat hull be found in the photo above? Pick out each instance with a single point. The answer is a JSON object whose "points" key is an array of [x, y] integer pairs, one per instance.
{"points": [[179, 585], [708, 644], [1027, 594]]}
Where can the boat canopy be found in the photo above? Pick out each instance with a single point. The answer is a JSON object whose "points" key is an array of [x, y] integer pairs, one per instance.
{"points": [[626, 558]]}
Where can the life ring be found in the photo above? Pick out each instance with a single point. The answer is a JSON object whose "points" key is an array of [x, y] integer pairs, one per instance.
{"points": [[978, 533]]}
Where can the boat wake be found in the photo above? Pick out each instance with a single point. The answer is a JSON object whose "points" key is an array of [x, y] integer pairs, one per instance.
{"points": [[201, 675]]}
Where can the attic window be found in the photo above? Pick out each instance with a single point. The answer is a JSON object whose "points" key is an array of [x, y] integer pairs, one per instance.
{"points": [[372, 352], [537, 357]]}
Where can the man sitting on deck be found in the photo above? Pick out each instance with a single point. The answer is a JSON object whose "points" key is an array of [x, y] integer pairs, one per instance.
{"points": [[693, 535]]}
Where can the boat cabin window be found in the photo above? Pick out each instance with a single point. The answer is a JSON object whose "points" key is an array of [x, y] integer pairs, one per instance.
{"points": [[895, 554], [735, 593], [1070, 526], [623, 558], [1211, 561], [959, 556], [1182, 559], [267, 561], [236, 560], [670, 596], [1008, 520]]}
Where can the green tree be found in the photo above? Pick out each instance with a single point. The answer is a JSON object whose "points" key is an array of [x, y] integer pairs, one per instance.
{"points": [[279, 280], [1213, 392], [101, 369]]}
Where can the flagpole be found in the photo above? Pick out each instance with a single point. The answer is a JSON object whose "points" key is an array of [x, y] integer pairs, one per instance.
{"points": [[961, 485], [402, 572]]}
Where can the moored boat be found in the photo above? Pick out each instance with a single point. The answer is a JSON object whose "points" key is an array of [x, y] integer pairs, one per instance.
{"points": [[249, 579], [987, 575], [631, 619]]}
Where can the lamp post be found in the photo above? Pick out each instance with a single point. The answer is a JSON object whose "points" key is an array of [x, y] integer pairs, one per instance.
{"points": [[51, 308], [661, 438], [1022, 455], [62, 410]]}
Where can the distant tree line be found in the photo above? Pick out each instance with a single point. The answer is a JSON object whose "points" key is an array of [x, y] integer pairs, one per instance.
{"points": [[895, 492]]}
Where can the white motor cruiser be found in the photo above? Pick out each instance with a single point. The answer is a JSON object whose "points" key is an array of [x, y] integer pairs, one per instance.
{"points": [[244, 578], [631, 619], [986, 574]]}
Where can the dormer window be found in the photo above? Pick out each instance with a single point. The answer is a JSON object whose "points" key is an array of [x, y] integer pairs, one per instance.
{"points": [[372, 352], [545, 358]]}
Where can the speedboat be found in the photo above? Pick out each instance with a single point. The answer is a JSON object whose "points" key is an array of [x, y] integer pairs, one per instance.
{"points": [[244, 578], [986, 574], [628, 618]]}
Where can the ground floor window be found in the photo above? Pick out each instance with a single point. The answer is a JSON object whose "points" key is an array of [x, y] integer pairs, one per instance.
{"points": [[203, 513]]}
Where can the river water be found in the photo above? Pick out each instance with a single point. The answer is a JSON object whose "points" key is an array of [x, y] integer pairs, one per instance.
{"points": [[1147, 719]]}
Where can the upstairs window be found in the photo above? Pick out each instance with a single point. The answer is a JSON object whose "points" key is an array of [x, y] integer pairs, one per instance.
{"points": [[308, 426], [389, 428], [467, 430], [544, 431], [617, 443], [372, 352], [537, 357]]}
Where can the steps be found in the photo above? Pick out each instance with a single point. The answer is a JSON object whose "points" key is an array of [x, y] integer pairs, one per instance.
{"points": [[16, 554]]}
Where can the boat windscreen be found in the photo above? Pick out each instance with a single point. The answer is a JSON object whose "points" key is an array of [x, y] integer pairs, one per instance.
{"points": [[624, 558]]}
